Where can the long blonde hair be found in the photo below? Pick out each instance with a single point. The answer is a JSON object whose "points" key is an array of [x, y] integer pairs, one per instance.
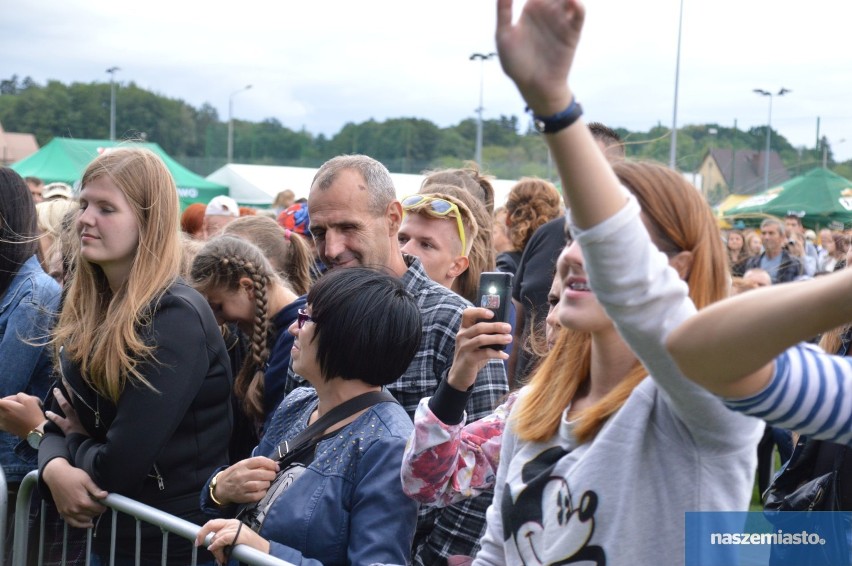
{"points": [[101, 330], [679, 220]]}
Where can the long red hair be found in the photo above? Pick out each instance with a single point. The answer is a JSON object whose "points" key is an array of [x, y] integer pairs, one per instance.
{"points": [[679, 220]]}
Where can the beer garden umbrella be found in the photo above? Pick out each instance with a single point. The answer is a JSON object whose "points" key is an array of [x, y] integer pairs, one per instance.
{"points": [[821, 198]]}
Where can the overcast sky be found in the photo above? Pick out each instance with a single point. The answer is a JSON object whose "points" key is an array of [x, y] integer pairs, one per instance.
{"points": [[319, 64]]}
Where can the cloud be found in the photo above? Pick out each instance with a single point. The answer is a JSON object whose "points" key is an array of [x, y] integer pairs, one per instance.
{"points": [[322, 64]]}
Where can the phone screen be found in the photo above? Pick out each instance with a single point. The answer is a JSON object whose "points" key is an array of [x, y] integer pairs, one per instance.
{"points": [[495, 293]]}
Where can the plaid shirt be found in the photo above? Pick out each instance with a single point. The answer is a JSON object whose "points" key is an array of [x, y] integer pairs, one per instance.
{"points": [[456, 529]]}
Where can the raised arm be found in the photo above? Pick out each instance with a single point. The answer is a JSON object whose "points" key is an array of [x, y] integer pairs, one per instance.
{"points": [[537, 53], [729, 347]]}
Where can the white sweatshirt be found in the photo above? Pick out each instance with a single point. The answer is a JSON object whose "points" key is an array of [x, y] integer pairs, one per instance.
{"points": [[672, 448]]}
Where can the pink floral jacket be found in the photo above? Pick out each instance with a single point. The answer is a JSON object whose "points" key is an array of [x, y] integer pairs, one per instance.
{"points": [[444, 464]]}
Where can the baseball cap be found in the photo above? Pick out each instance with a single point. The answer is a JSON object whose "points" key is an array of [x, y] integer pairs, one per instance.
{"points": [[222, 206], [57, 191]]}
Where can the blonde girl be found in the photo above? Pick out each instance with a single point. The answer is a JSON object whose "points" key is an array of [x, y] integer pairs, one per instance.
{"points": [[143, 403]]}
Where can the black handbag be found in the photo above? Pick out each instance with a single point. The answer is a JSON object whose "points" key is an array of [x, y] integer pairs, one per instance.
{"points": [[813, 480], [806, 484], [290, 454]]}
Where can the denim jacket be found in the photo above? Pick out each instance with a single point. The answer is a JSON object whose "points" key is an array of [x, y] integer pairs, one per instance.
{"points": [[348, 506], [27, 312]]}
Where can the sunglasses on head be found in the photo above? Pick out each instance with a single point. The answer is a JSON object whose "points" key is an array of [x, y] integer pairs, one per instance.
{"points": [[439, 208]]}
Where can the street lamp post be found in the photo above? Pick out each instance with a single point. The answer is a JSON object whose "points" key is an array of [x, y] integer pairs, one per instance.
{"points": [[673, 146], [482, 58], [112, 71], [231, 121], [762, 92]]}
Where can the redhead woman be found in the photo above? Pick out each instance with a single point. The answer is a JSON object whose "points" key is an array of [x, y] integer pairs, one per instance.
{"points": [[144, 407], [609, 432]]}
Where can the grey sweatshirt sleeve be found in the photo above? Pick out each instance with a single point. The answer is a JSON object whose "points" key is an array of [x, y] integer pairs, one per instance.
{"points": [[646, 299]]}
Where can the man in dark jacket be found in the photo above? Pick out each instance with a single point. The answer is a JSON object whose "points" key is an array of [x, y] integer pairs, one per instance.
{"points": [[780, 265]]}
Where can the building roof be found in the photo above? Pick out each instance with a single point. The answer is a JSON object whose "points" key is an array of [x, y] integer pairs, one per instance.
{"points": [[15, 146], [744, 169]]}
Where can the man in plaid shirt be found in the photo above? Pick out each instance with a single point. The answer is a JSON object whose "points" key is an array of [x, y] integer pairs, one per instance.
{"points": [[355, 217]]}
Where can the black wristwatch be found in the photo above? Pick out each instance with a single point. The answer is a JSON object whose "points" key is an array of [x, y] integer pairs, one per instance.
{"points": [[34, 438], [557, 122]]}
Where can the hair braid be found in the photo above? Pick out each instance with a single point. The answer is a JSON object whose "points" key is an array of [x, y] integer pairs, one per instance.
{"points": [[249, 383], [224, 263]]}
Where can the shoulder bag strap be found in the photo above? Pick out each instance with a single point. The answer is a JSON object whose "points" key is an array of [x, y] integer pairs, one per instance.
{"points": [[337, 414]]}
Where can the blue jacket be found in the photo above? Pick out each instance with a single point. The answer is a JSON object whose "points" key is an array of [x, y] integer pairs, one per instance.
{"points": [[27, 313], [348, 506]]}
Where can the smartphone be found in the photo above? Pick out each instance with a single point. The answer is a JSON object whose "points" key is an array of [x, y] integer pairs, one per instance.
{"points": [[495, 294]]}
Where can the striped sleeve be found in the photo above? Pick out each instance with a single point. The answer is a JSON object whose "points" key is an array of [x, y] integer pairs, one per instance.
{"points": [[810, 392]]}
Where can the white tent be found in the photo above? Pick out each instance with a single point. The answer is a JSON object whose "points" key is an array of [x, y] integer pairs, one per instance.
{"points": [[257, 185]]}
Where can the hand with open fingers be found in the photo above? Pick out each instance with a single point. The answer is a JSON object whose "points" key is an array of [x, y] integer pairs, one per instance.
{"points": [[246, 481], [75, 494], [470, 356], [70, 423], [227, 533], [20, 413], [536, 52]]}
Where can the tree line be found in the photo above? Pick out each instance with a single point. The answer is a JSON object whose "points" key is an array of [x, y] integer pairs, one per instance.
{"points": [[197, 137]]}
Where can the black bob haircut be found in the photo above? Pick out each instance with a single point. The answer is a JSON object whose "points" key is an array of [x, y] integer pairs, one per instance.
{"points": [[368, 326]]}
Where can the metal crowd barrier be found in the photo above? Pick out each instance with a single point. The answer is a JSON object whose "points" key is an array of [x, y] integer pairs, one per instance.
{"points": [[119, 504], [4, 501]]}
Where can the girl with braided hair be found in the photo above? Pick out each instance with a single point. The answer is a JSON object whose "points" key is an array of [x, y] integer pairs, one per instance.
{"points": [[243, 288]]}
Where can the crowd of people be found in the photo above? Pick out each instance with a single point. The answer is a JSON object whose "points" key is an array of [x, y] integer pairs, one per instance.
{"points": [[320, 381]]}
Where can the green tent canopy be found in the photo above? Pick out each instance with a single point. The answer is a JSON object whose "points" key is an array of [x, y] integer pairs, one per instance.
{"points": [[820, 197], [65, 159]]}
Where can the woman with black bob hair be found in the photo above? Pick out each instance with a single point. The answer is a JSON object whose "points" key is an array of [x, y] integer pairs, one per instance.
{"points": [[367, 326], [359, 332]]}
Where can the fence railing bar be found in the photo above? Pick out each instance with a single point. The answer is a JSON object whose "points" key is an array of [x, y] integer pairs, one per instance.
{"points": [[120, 504], [4, 504]]}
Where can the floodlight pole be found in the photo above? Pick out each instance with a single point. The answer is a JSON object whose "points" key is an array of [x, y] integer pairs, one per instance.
{"points": [[231, 121], [482, 58], [762, 92], [112, 71], [673, 146]]}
